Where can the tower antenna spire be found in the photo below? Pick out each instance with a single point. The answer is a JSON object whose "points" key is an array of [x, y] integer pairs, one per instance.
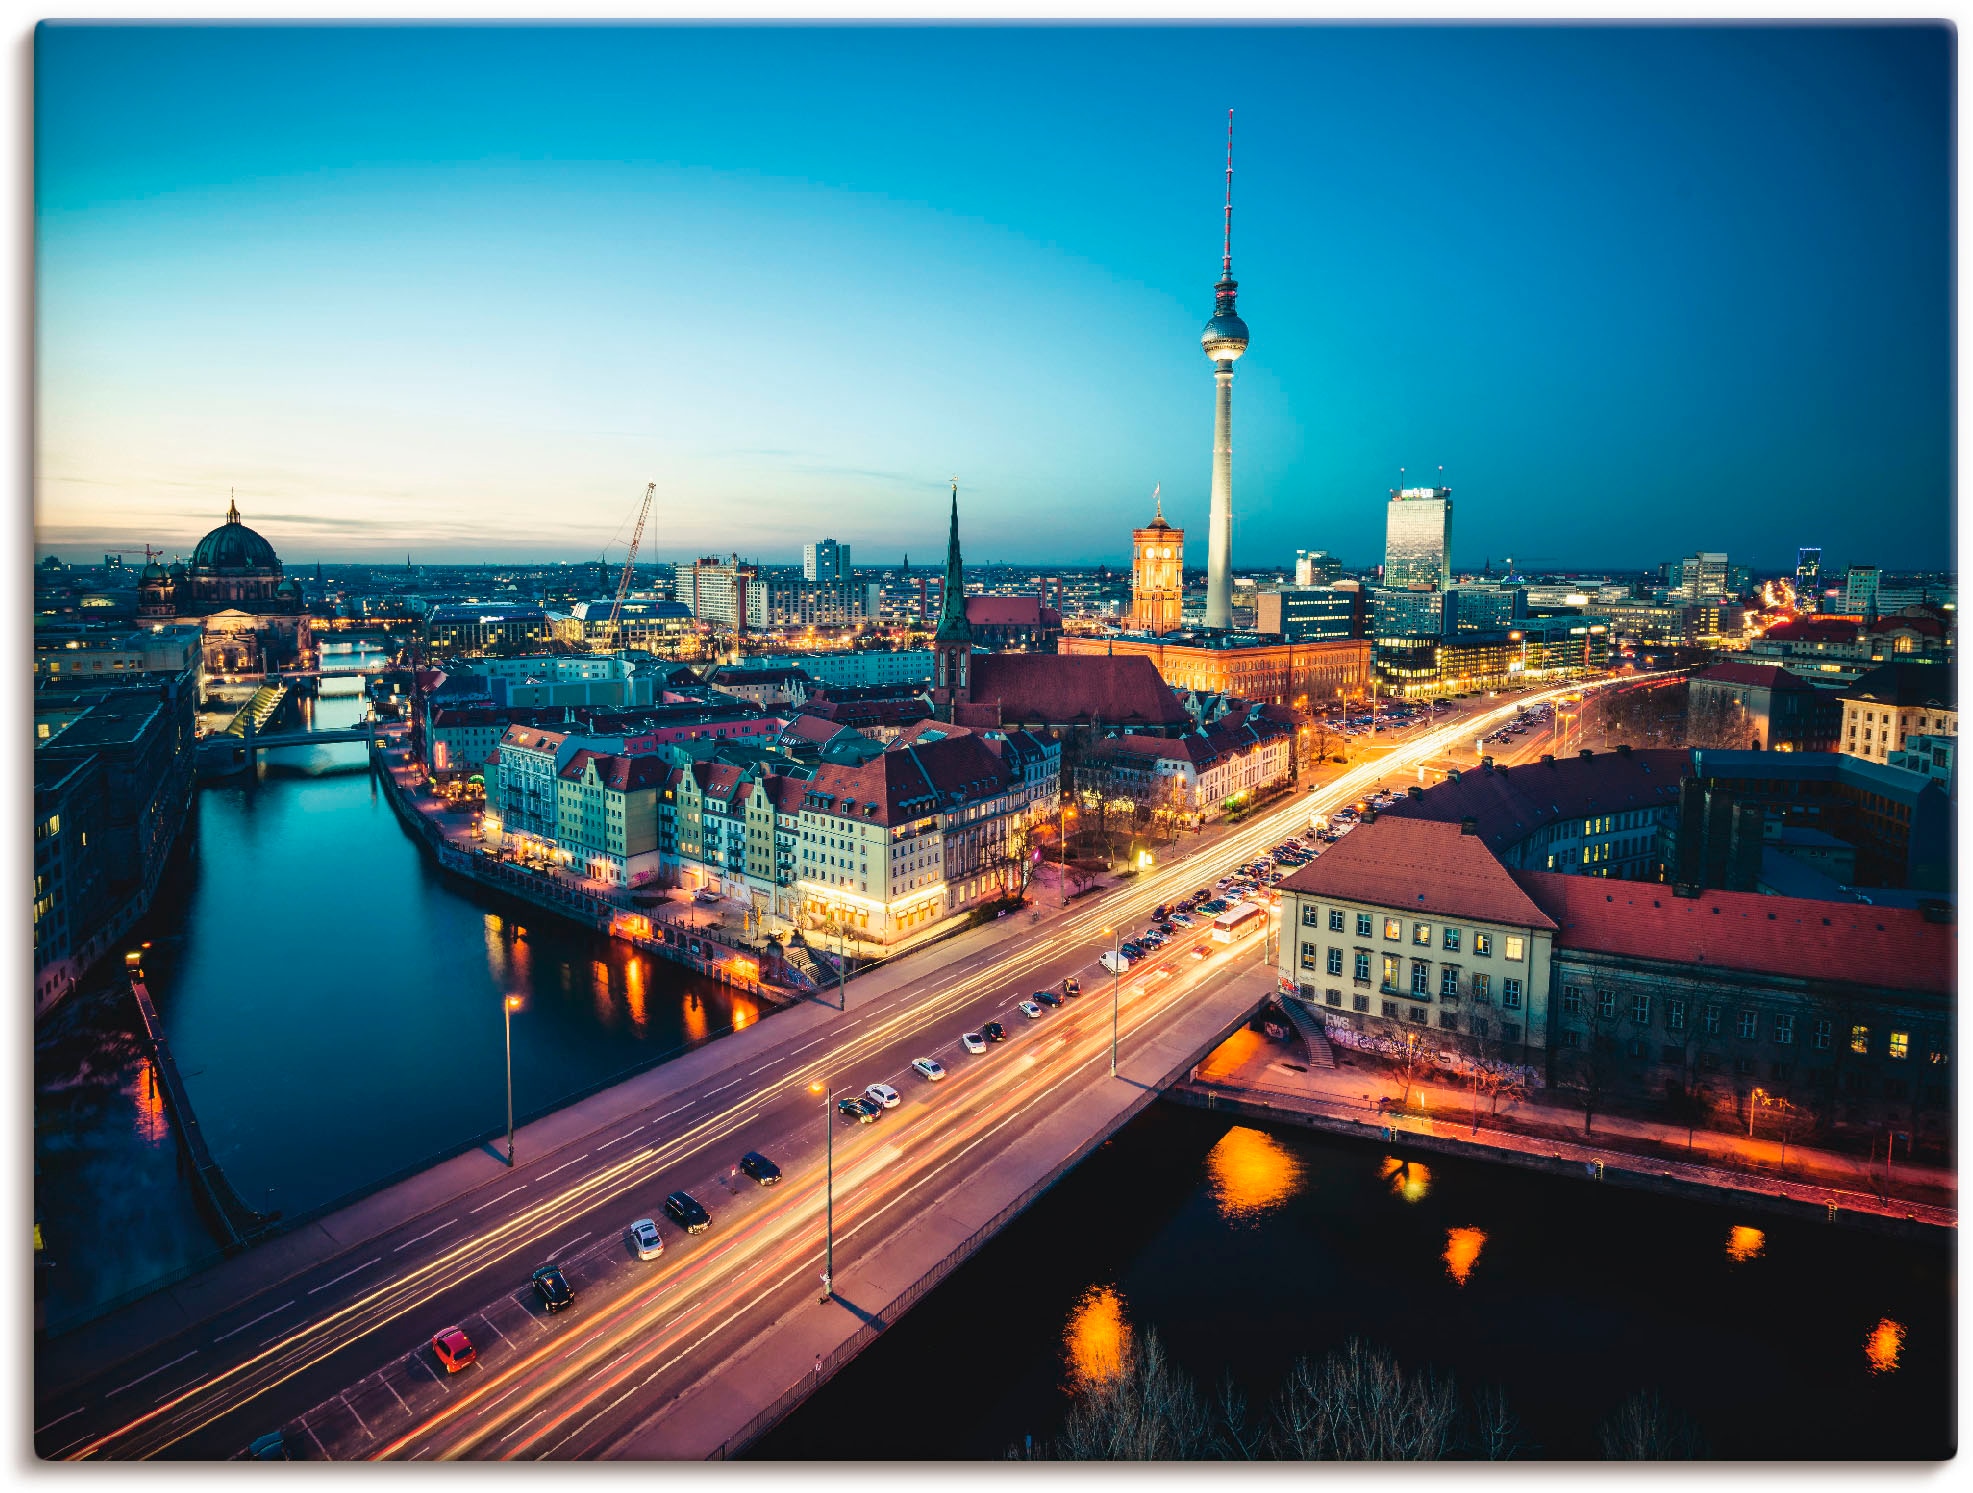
{"points": [[1226, 250]]}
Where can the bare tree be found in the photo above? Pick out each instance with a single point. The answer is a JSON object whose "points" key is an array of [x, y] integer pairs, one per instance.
{"points": [[1237, 1437], [1150, 1411], [1493, 1429], [1358, 1405], [1645, 1429], [1411, 1059]]}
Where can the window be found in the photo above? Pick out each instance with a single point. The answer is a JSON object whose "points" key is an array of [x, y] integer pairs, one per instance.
{"points": [[1390, 1009], [1900, 1047], [1417, 1013], [1819, 1039], [1448, 1022], [1510, 1031], [1451, 939], [1745, 1025], [1709, 1021], [1335, 920], [1393, 929], [1311, 915], [1744, 1067], [1421, 979], [1359, 1003], [1606, 1004], [1513, 947], [1333, 997], [1391, 972], [1640, 1009], [1363, 925], [1860, 1039], [1335, 965], [1421, 934], [1510, 994], [1784, 1029], [1482, 989], [1709, 1062], [1569, 1039], [1483, 944], [1363, 966], [1675, 1015], [1309, 952], [1572, 1000], [1935, 1050], [1449, 982]]}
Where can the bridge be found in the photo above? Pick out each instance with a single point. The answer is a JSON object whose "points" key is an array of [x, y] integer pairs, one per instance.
{"points": [[700, 1351], [224, 752]]}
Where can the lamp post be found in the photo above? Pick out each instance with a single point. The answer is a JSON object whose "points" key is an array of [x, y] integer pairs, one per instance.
{"points": [[829, 1193], [509, 1007], [1116, 990]]}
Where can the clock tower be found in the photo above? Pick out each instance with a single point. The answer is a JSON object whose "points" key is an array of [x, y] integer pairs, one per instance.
{"points": [[1157, 574]]}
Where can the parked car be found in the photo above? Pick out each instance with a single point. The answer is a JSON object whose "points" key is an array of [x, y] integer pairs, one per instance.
{"points": [[883, 1094], [760, 1169], [859, 1110], [1114, 961], [454, 1349], [1071, 985], [688, 1212], [973, 1042], [644, 1239], [1160, 910], [1183, 919], [551, 1288], [1030, 1010], [1047, 998], [993, 1031], [929, 1068]]}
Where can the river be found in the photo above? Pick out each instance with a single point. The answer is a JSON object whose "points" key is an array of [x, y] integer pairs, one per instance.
{"points": [[1245, 1247], [334, 1003]]}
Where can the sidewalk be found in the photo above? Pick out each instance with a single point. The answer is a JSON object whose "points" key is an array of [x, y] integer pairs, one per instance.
{"points": [[1361, 1094]]}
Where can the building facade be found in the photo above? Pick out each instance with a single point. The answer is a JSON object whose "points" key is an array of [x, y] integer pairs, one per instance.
{"points": [[1244, 664], [1418, 538], [1157, 576], [1895, 701]]}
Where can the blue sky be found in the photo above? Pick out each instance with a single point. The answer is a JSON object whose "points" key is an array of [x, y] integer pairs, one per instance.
{"points": [[462, 291]]}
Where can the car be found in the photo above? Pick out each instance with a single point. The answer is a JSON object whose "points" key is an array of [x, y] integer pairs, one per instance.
{"points": [[930, 1069], [1167, 928], [1151, 940], [1047, 998], [688, 1212], [973, 1042], [551, 1288], [993, 1031], [1200, 951], [273, 1447], [1160, 910], [454, 1349], [1071, 985], [859, 1111], [1030, 1010], [1214, 907], [644, 1239], [760, 1169], [883, 1094], [1183, 919], [1114, 960]]}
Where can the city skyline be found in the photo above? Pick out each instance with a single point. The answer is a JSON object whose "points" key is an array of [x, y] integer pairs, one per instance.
{"points": [[446, 318]]}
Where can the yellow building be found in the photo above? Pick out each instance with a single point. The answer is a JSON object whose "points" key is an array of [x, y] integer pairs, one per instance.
{"points": [[1893, 701], [1306, 673], [1157, 575]]}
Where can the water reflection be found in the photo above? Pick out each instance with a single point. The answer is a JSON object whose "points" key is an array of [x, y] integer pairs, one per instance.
{"points": [[1462, 1251], [696, 1025], [1744, 1243], [148, 1097], [633, 984], [1250, 1174], [1097, 1339], [1882, 1347], [1410, 1180]]}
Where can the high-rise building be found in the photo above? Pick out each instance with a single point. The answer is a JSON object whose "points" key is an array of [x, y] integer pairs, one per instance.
{"points": [[1418, 538], [1860, 584], [1316, 568], [825, 560], [725, 593], [1224, 340], [1704, 578], [1808, 578], [1157, 574], [1310, 613]]}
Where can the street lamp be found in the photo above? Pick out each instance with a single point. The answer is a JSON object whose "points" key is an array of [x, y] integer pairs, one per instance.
{"points": [[829, 1226], [509, 1007], [1116, 990]]}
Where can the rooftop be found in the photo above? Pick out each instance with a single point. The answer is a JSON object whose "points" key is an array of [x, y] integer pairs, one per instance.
{"points": [[1419, 866], [1508, 806]]}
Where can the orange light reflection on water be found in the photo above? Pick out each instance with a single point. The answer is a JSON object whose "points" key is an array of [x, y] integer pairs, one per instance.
{"points": [[1882, 1347], [633, 983], [1744, 1243], [1462, 1251], [1251, 1173], [1097, 1339], [696, 1025], [1410, 1180]]}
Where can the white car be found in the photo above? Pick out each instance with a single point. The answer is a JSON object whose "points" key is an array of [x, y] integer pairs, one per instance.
{"points": [[1116, 963], [973, 1042], [929, 1068], [644, 1239], [884, 1094], [1030, 1010]]}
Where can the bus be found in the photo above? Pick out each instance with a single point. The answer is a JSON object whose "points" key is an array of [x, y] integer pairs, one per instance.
{"points": [[1236, 920]]}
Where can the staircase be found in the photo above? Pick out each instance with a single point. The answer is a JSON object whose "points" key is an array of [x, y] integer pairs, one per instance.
{"points": [[1320, 1055]]}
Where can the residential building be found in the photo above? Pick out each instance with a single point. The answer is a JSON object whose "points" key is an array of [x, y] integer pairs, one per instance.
{"points": [[1418, 539], [1705, 578], [826, 603], [522, 801], [1896, 700], [726, 593], [826, 560], [1761, 707], [1193, 778], [606, 819], [856, 670], [1860, 584]]}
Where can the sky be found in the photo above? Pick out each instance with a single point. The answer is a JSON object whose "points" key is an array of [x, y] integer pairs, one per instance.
{"points": [[461, 292]]}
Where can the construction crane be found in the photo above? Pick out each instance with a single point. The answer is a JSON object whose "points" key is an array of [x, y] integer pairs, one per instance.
{"points": [[629, 560]]}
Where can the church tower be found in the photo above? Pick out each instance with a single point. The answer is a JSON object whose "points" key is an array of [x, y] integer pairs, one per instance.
{"points": [[952, 643], [1157, 574]]}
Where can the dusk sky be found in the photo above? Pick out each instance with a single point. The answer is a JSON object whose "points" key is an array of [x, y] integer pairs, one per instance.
{"points": [[463, 291]]}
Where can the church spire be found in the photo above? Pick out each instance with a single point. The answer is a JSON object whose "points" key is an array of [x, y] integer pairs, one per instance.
{"points": [[952, 626], [232, 508]]}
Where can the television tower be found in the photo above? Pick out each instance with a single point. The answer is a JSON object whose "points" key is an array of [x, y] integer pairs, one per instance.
{"points": [[1224, 339]]}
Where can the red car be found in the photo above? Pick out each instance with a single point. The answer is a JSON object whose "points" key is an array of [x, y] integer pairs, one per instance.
{"points": [[454, 1349]]}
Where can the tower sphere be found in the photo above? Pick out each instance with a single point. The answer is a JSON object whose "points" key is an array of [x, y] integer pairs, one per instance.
{"points": [[1225, 336]]}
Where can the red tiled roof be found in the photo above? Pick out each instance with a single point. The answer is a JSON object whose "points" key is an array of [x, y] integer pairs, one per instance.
{"points": [[1815, 630], [1054, 689], [915, 780], [810, 727], [1419, 865], [716, 779], [1763, 676], [1508, 806], [788, 794], [1010, 611], [1891, 947], [534, 739]]}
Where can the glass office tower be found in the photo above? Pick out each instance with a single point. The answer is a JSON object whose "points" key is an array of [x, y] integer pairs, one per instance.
{"points": [[1418, 538]]}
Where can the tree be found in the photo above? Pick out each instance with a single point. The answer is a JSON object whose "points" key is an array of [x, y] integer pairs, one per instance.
{"points": [[1497, 1073], [1645, 1429], [1150, 1410], [1493, 1430], [1358, 1405], [1411, 1058]]}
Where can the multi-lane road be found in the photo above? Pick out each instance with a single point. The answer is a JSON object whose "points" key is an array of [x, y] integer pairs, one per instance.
{"points": [[338, 1353]]}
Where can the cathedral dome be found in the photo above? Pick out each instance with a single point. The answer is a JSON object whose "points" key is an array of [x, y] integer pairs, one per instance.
{"points": [[233, 546]]}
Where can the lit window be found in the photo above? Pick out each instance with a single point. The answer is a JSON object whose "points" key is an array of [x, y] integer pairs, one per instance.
{"points": [[1513, 947], [1482, 944], [1860, 1039], [1421, 934], [1394, 929], [1900, 1045]]}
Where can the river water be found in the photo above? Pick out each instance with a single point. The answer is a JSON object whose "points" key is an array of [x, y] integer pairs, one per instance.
{"points": [[1246, 1247], [334, 1003]]}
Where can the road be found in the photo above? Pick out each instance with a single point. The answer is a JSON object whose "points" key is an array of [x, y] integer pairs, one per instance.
{"points": [[339, 1351]]}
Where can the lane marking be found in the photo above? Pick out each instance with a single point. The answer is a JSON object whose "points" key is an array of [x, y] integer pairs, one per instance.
{"points": [[524, 1425], [571, 1244], [396, 1396], [152, 1375], [428, 1234], [763, 1067], [58, 1420], [562, 1168], [806, 1045], [501, 1199], [496, 1330], [346, 1275], [256, 1321], [724, 1087], [359, 1419]]}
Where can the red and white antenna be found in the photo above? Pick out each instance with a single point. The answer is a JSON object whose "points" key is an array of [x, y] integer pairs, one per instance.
{"points": [[1226, 252]]}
